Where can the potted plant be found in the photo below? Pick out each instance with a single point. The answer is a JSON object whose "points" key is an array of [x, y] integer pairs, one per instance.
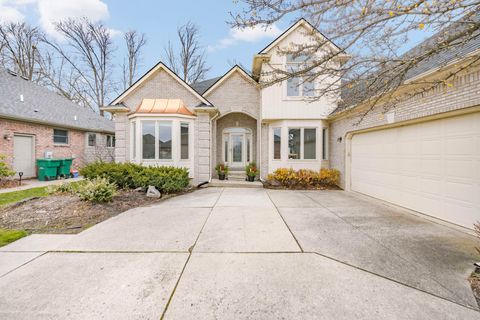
{"points": [[251, 171], [222, 171]]}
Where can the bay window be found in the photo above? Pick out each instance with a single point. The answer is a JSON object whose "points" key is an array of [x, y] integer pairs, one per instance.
{"points": [[294, 142], [325, 143], [184, 137], [148, 139], [165, 140], [277, 143], [161, 139], [302, 143]]}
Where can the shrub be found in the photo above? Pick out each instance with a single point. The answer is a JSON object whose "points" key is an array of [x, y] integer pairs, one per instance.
{"points": [[129, 175], [304, 177], [330, 177], [65, 187], [5, 170], [251, 170], [221, 168], [97, 190]]}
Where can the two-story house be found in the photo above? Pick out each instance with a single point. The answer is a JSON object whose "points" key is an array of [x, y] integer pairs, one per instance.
{"points": [[422, 154], [231, 119]]}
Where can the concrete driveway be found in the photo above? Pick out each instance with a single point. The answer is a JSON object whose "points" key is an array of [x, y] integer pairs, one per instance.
{"points": [[245, 254]]}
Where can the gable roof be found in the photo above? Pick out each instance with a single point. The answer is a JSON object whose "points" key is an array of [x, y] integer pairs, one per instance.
{"points": [[220, 80], [41, 105], [155, 68], [301, 22]]}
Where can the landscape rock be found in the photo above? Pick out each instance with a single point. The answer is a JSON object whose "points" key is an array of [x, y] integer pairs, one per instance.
{"points": [[152, 192]]}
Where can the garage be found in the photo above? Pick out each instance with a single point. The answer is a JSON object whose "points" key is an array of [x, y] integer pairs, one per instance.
{"points": [[431, 167]]}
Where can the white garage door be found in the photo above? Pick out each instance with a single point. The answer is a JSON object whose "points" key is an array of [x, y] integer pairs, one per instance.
{"points": [[431, 167]]}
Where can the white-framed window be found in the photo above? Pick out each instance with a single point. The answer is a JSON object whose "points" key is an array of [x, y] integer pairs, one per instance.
{"points": [[298, 86], [162, 139], [325, 143], [184, 140], [110, 141], [302, 143], [165, 140], [92, 139], [277, 143], [148, 139], [60, 136]]}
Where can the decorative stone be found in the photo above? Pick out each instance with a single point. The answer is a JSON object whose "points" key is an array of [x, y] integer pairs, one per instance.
{"points": [[152, 192]]}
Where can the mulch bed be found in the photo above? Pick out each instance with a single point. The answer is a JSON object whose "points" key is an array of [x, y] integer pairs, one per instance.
{"points": [[66, 213], [4, 184]]}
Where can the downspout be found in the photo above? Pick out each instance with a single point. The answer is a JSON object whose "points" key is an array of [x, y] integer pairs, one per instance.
{"points": [[217, 114]]}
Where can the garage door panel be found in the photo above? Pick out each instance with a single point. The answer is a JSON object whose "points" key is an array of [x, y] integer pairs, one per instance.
{"points": [[431, 167]]}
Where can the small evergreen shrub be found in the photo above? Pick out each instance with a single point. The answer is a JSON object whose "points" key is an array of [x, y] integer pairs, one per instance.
{"points": [[5, 170], [166, 179], [97, 190]]}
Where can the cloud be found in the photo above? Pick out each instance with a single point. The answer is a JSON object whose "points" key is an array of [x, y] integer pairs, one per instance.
{"points": [[253, 34], [9, 13], [51, 11]]}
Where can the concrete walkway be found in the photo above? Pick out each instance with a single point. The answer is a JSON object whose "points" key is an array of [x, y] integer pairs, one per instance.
{"points": [[33, 183], [245, 254]]}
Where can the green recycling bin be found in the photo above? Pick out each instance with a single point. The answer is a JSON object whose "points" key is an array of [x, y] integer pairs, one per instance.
{"points": [[64, 168], [47, 169]]}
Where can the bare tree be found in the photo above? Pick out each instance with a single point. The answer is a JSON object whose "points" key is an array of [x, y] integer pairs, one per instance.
{"points": [[134, 42], [372, 60], [87, 50], [188, 60], [19, 45]]}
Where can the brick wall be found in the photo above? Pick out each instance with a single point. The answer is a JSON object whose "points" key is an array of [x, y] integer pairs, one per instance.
{"points": [[43, 136], [464, 93], [236, 94], [160, 86]]}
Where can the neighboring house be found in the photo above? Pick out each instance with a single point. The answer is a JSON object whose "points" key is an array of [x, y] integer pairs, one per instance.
{"points": [[35, 121], [161, 120]]}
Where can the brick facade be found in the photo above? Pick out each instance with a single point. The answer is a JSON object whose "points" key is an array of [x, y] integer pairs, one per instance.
{"points": [[43, 136], [464, 93]]}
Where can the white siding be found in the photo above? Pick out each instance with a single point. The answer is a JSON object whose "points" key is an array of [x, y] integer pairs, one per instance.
{"points": [[275, 103]]}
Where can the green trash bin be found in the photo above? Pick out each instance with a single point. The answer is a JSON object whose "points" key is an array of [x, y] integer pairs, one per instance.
{"points": [[47, 169], [64, 168]]}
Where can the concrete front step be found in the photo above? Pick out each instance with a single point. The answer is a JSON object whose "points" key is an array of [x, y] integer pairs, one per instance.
{"points": [[235, 184]]}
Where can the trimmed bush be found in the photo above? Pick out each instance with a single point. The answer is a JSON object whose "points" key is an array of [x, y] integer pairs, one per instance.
{"points": [[305, 178], [97, 190], [129, 175], [5, 170]]}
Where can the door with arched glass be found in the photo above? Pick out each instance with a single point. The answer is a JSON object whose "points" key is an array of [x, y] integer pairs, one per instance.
{"points": [[237, 146]]}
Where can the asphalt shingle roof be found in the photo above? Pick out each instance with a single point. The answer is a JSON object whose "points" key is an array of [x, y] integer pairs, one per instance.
{"points": [[202, 86], [459, 50], [42, 105]]}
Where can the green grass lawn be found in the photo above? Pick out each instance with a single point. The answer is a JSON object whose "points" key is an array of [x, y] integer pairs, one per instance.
{"points": [[15, 196], [7, 236]]}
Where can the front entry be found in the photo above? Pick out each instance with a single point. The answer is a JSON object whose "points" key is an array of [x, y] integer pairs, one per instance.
{"points": [[237, 147]]}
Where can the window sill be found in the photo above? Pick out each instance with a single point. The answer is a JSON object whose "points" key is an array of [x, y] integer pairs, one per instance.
{"points": [[61, 145]]}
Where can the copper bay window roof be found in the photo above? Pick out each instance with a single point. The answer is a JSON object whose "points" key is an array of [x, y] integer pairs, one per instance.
{"points": [[170, 106]]}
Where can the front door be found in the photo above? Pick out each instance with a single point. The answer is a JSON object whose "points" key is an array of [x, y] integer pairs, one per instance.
{"points": [[23, 155], [237, 146]]}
